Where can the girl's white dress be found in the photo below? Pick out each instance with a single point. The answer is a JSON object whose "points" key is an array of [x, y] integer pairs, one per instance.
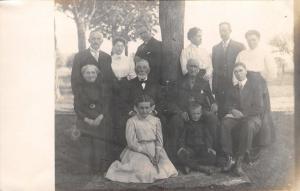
{"points": [[142, 135]]}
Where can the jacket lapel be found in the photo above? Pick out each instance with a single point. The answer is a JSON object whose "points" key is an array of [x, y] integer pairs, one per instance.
{"points": [[91, 57], [245, 92]]}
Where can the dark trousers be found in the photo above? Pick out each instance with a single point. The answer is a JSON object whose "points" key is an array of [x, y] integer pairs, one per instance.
{"points": [[239, 133], [92, 154], [221, 100], [195, 157]]}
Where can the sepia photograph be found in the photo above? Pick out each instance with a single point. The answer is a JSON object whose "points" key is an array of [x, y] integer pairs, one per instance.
{"points": [[149, 95], [174, 95]]}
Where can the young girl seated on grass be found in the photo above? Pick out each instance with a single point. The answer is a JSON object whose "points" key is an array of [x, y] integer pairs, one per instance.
{"points": [[144, 160]]}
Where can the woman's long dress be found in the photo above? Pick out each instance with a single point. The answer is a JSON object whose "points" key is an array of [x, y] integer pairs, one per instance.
{"points": [[142, 135], [123, 69]]}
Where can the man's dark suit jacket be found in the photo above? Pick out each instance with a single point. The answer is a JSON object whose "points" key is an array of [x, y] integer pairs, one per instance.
{"points": [[223, 63], [134, 88], [85, 58], [249, 100], [253, 101], [200, 93], [152, 52]]}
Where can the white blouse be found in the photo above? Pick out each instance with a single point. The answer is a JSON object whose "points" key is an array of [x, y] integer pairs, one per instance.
{"points": [[259, 60], [123, 66], [198, 53]]}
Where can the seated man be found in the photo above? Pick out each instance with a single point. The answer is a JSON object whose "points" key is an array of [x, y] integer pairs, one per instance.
{"points": [[190, 89], [244, 106], [195, 142], [140, 85]]}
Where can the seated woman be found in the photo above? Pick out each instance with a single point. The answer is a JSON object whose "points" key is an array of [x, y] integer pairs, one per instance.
{"points": [[90, 107], [144, 160]]}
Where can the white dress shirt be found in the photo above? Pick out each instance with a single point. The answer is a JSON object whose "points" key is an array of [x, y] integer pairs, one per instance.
{"points": [[242, 83], [198, 53], [225, 44], [123, 66], [259, 60]]}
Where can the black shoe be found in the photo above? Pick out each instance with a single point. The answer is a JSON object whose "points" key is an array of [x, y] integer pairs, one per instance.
{"points": [[237, 169], [205, 170], [186, 170], [228, 165], [252, 158], [256, 154]]}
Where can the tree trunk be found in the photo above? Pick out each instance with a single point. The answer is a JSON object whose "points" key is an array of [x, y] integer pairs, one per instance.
{"points": [[81, 35], [171, 19]]}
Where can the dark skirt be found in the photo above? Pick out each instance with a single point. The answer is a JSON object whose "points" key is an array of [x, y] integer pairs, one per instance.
{"points": [[95, 150]]}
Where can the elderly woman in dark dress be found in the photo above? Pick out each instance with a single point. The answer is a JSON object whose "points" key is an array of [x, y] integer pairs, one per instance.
{"points": [[91, 109]]}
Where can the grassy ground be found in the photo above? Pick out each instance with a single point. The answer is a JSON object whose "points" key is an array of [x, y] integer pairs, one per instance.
{"points": [[274, 171]]}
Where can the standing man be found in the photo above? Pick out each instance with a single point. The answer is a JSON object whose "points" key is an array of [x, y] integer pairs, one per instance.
{"points": [[150, 50], [92, 56], [194, 51], [223, 59]]}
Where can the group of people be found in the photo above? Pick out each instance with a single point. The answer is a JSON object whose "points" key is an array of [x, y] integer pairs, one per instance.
{"points": [[135, 129]]}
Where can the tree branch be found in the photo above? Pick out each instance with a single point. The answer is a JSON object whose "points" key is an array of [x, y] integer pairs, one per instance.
{"points": [[93, 11], [75, 10]]}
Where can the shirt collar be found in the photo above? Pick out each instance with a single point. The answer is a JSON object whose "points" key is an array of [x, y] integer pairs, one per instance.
{"points": [[194, 46], [93, 50], [243, 82], [145, 79], [146, 42], [226, 42]]}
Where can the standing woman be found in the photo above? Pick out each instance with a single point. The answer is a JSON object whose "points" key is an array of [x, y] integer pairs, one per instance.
{"points": [[123, 69], [91, 109], [122, 66], [257, 59]]}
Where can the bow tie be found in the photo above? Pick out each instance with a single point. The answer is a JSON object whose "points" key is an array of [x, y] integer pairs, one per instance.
{"points": [[142, 81]]}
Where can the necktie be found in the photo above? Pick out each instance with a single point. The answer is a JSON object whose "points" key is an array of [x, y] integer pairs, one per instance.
{"points": [[224, 46], [240, 86], [95, 55]]}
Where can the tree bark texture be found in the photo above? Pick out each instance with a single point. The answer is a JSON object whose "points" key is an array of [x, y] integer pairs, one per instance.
{"points": [[171, 19]]}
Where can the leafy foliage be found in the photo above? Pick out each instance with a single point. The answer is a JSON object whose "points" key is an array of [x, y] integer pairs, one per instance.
{"points": [[113, 18], [283, 43]]}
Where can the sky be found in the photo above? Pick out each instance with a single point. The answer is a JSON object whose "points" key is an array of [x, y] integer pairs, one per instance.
{"points": [[267, 16]]}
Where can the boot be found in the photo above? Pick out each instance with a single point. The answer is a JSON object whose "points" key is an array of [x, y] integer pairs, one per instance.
{"points": [[186, 170], [237, 169], [228, 164], [205, 170]]}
